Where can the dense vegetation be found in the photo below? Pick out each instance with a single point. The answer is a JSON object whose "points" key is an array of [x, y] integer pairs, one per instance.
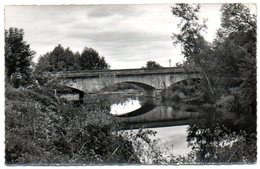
{"points": [[228, 66], [43, 129]]}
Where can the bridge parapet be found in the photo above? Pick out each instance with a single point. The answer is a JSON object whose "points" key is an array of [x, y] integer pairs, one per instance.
{"points": [[125, 72]]}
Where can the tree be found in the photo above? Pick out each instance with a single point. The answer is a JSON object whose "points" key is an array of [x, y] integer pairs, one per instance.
{"points": [[18, 55], [229, 66], [235, 50], [152, 65], [194, 47], [59, 59], [236, 18], [43, 64], [91, 60], [189, 30]]}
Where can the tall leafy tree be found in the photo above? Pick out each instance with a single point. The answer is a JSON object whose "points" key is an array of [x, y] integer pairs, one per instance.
{"points": [[235, 49], [230, 63], [59, 59], [152, 65], [194, 47], [91, 60], [190, 30], [18, 54], [237, 18]]}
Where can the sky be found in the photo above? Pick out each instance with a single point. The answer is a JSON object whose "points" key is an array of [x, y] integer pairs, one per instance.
{"points": [[126, 35]]}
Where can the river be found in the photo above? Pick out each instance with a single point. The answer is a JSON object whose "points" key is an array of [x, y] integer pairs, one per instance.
{"points": [[180, 127], [172, 136]]}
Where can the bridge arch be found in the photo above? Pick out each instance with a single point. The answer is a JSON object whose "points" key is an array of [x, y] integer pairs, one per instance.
{"points": [[184, 80], [151, 81]]}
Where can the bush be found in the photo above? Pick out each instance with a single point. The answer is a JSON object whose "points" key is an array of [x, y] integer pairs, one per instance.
{"points": [[42, 129]]}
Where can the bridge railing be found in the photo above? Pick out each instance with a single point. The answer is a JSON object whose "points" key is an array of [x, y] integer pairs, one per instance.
{"points": [[125, 72]]}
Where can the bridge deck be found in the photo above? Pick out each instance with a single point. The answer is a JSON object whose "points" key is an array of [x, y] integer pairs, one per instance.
{"points": [[125, 72]]}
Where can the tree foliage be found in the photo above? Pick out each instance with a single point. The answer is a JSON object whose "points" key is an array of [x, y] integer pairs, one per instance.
{"points": [[194, 47], [152, 65], [18, 54], [60, 59], [237, 18], [237, 53], [91, 60], [229, 66], [217, 144], [230, 61], [190, 31]]}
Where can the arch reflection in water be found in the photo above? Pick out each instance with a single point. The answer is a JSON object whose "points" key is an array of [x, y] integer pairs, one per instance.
{"points": [[125, 107], [132, 107], [154, 113], [146, 112]]}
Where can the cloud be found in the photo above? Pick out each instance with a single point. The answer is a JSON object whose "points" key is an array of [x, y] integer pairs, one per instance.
{"points": [[127, 35], [112, 10]]}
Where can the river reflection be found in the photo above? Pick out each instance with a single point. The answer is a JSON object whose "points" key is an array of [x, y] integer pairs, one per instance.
{"points": [[184, 128], [125, 107], [169, 137]]}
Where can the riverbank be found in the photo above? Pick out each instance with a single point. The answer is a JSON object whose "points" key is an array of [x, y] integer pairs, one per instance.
{"points": [[42, 129]]}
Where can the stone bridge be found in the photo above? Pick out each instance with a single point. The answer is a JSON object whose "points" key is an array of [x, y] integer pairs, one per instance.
{"points": [[152, 81]]}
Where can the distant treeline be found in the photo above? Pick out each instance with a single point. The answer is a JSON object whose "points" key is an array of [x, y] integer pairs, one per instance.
{"points": [[18, 58], [61, 59]]}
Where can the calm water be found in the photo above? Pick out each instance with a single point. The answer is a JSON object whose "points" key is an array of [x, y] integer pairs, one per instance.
{"points": [[169, 137], [174, 136], [177, 126], [181, 127]]}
